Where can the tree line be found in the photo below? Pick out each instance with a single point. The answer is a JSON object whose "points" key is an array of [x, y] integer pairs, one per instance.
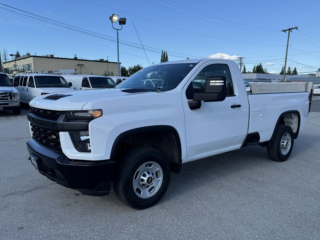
{"points": [[259, 69]]}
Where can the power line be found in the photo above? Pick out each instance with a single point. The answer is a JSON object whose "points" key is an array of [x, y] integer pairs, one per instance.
{"points": [[254, 27], [200, 18], [83, 31], [140, 41], [182, 29]]}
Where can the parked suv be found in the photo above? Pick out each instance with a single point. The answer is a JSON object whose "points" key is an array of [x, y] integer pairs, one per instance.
{"points": [[32, 85], [9, 96]]}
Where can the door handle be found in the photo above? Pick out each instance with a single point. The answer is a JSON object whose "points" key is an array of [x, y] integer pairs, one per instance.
{"points": [[235, 105]]}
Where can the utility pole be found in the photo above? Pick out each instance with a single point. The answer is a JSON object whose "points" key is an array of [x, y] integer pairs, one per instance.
{"points": [[289, 30], [241, 63]]}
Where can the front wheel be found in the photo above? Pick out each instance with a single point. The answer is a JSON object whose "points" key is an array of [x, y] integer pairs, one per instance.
{"points": [[142, 177], [16, 111], [281, 145]]}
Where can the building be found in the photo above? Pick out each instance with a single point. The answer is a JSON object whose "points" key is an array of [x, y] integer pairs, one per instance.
{"points": [[51, 64]]}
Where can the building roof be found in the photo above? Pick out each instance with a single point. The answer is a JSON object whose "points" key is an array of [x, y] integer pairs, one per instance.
{"points": [[52, 57]]}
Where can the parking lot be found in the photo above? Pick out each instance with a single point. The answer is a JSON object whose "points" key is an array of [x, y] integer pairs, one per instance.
{"points": [[237, 195]]}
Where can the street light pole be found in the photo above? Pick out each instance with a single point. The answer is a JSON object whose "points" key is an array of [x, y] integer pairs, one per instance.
{"points": [[119, 73], [122, 21]]}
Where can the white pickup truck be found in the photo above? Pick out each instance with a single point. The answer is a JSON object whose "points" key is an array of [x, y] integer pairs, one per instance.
{"points": [[161, 117]]}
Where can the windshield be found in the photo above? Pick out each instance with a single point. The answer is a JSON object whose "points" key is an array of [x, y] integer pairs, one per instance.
{"points": [[159, 77], [50, 81], [102, 82], [4, 81]]}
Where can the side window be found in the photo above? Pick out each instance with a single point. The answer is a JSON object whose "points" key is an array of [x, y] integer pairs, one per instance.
{"points": [[25, 81], [16, 81], [85, 83], [21, 81], [111, 82], [31, 82], [213, 70]]}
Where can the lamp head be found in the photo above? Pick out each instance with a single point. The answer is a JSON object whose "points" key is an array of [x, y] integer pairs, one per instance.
{"points": [[114, 18]]}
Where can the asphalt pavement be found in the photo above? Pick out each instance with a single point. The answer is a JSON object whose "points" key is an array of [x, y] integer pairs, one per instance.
{"points": [[237, 195]]}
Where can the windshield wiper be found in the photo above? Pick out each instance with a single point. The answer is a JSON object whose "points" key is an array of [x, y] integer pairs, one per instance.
{"points": [[134, 90]]}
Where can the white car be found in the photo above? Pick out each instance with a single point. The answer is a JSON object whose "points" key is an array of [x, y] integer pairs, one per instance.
{"points": [[316, 89]]}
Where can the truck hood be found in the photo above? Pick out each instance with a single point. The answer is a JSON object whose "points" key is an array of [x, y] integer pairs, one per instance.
{"points": [[8, 89], [73, 100]]}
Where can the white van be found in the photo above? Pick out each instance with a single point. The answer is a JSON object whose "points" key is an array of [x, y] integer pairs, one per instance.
{"points": [[118, 79], [9, 96], [32, 85], [85, 82]]}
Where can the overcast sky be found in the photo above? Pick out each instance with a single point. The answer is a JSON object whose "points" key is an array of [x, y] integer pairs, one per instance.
{"points": [[185, 29]]}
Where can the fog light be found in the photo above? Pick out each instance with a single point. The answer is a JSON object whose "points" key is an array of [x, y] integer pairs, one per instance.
{"points": [[81, 140]]}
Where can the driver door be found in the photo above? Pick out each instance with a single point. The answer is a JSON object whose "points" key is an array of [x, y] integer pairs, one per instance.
{"points": [[215, 127]]}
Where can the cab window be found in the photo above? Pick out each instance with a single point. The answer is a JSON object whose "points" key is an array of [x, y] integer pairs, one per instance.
{"points": [[214, 70]]}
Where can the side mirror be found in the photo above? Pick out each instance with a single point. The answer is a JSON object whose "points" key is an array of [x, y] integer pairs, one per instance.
{"points": [[215, 90], [70, 84]]}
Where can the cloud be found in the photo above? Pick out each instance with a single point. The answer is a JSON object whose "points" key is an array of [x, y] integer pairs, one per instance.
{"points": [[269, 64], [224, 56]]}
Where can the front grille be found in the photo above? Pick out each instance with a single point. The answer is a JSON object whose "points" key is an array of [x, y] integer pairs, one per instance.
{"points": [[47, 114], [47, 137], [5, 96]]}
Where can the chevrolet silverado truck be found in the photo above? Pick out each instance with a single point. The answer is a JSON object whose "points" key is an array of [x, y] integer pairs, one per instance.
{"points": [[163, 116], [9, 96]]}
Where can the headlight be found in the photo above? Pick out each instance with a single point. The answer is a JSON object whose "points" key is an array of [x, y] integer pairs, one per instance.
{"points": [[16, 97], [85, 114]]}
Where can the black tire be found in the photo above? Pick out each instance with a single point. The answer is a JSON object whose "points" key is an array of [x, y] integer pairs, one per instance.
{"points": [[281, 144], [16, 111], [136, 175]]}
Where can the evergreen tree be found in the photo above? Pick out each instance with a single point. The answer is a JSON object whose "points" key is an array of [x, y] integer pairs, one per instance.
{"points": [[134, 69], [254, 69], [164, 56], [294, 72], [282, 71], [244, 69], [289, 71], [124, 72]]}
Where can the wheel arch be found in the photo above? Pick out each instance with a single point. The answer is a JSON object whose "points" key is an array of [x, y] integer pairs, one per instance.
{"points": [[162, 137], [290, 118]]}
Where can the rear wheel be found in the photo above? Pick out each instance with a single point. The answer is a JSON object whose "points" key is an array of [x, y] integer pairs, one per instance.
{"points": [[142, 177], [281, 144]]}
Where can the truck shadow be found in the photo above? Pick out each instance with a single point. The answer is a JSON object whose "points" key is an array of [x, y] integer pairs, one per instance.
{"points": [[235, 167]]}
